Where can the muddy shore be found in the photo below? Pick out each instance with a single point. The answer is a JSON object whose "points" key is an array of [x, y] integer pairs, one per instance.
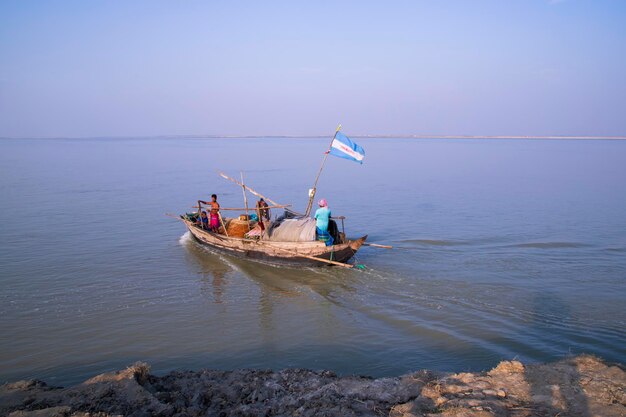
{"points": [[577, 386]]}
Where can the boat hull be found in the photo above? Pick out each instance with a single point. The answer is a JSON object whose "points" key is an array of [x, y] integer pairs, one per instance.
{"points": [[283, 253]]}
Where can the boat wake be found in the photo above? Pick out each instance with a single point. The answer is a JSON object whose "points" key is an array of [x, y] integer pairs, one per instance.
{"points": [[185, 239], [614, 249], [434, 242], [549, 245]]}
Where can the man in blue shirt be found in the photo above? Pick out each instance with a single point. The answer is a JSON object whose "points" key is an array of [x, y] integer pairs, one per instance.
{"points": [[322, 217]]}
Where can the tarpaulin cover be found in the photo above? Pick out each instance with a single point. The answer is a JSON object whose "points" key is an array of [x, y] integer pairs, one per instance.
{"points": [[293, 230]]}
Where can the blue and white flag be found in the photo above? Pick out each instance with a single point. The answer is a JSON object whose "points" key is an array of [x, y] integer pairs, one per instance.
{"points": [[343, 147]]}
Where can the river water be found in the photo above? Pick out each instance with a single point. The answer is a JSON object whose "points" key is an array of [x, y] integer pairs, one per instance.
{"points": [[502, 249]]}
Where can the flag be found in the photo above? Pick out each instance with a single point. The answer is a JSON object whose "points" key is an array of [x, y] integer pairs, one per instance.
{"points": [[343, 147]]}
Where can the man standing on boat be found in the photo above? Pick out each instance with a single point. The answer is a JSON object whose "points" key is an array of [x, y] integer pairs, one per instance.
{"points": [[322, 218], [264, 212], [214, 224]]}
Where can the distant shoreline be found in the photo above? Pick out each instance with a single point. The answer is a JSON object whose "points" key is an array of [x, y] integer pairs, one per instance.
{"points": [[506, 137]]}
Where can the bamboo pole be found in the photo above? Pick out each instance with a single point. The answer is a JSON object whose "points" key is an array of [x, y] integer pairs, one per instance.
{"points": [[378, 246], [252, 191], [314, 189], [245, 200], [223, 223], [245, 196], [243, 208], [308, 256]]}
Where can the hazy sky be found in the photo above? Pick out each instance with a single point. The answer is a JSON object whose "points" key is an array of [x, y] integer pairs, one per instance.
{"points": [[116, 68]]}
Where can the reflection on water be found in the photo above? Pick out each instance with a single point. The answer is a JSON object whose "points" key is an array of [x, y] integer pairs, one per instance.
{"points": [[281, 281], [213, 270]]}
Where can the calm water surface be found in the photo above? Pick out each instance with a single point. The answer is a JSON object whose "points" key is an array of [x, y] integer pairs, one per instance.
{"points": [[503, 249]]}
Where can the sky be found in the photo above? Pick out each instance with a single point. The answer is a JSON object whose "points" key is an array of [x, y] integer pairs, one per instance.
{"points": [[429, 67]]}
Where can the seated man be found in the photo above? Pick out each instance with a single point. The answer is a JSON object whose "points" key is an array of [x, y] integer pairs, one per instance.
{"points": [[204, 220], [322, 217]]}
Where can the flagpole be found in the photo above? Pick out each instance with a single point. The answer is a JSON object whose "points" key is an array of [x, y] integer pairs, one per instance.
{"points": [[314, 189]]}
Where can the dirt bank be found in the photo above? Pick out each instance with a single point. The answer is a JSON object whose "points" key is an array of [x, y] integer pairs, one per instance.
{"points": [[577, 386]]}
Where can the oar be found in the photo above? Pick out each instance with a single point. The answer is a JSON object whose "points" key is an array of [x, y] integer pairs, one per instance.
{"points": [[309, 257], [376, 245]]}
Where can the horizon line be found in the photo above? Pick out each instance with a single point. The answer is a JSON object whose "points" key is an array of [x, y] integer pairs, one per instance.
{"points": [[382, 136]]}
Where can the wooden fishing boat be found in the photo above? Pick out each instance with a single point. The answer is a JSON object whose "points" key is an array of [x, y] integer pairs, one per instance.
{"points": [[313, 253]]}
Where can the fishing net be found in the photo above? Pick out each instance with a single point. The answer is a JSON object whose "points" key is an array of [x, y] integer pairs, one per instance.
{"points": [[293, 230]]}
